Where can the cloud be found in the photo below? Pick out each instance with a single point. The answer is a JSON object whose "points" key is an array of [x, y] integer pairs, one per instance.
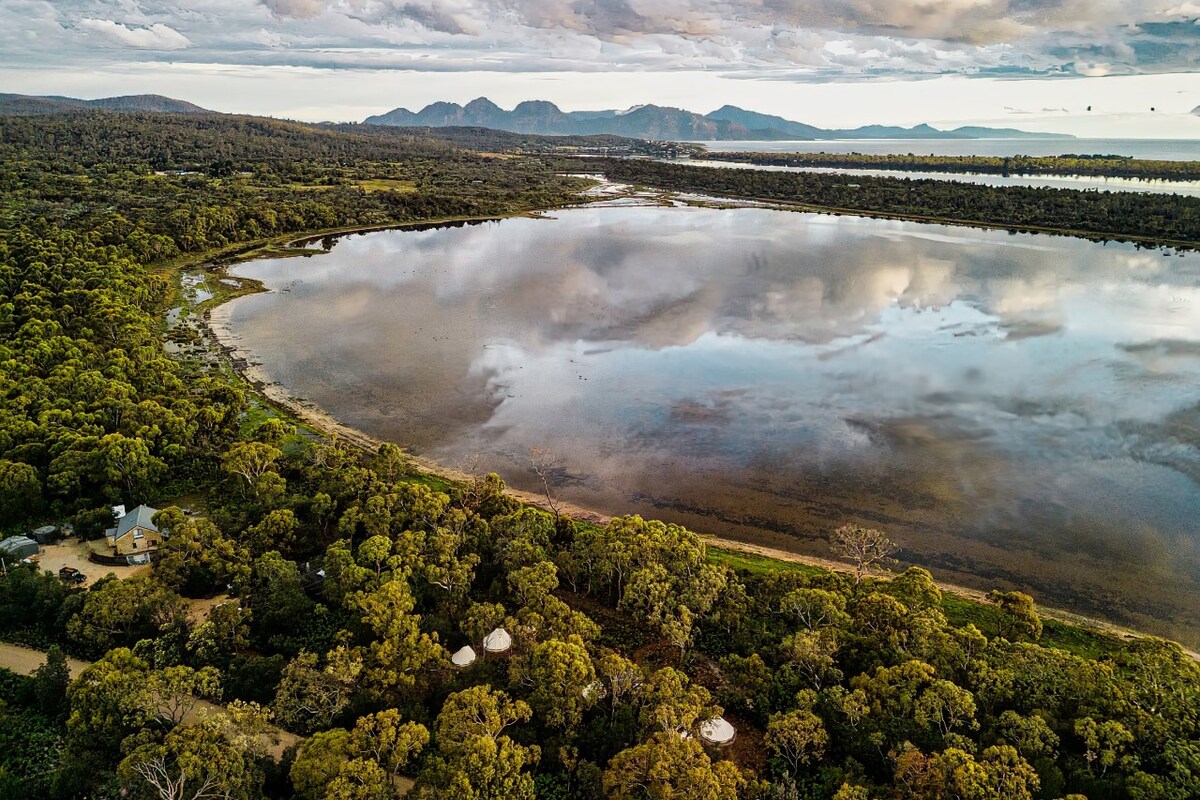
{"points": [[786, 40], [153, 37], [890, 37], [302, 9]]}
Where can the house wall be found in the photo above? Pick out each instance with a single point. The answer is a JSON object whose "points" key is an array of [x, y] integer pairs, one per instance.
{"points": [[128, 544]]}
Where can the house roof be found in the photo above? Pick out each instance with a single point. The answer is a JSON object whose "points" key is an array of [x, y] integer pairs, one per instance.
{"points": [[15, 544], [140, 517]]}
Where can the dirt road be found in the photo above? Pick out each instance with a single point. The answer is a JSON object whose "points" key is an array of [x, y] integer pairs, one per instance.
{"points": [[25, 660]]}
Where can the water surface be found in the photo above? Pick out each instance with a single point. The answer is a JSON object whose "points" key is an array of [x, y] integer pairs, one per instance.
{"points": [[1016, 410]]}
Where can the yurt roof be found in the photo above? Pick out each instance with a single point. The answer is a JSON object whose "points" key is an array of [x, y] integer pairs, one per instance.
{"points": [[717, 731], [463, 657], [497, 641]]}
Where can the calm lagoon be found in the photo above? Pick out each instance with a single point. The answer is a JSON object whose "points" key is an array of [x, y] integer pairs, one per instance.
{"points": [[1016, 410]]}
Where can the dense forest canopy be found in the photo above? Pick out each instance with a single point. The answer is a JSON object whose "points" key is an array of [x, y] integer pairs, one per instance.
{"points": [[318, 598]]}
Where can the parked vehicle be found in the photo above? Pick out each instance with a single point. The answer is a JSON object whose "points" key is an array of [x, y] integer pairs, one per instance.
{"points": [[71, 575]]}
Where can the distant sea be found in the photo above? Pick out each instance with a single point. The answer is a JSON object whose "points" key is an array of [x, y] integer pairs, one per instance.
{"points": [[1165, 149]]}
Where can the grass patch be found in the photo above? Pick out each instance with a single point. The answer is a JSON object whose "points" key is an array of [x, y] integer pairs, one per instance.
{"points": [[1077, 639], [366, 184], [254, 416], [386, 185], [962, 611], [756, 564], [431, 481], [295, 444]]}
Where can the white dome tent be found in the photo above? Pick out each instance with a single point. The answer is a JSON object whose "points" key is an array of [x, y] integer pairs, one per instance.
{"points": [[498, 641], [717, 731], [463, 657]]}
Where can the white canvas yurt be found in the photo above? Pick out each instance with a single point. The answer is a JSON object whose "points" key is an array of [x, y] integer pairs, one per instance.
{"points": [[717, 731], [498, 641], [464, 657]]}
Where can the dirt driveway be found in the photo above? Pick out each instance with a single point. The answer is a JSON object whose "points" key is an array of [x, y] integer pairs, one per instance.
{"points": [[74, 553]]}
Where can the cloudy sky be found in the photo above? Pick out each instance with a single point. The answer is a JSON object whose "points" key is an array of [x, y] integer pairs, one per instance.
{"points": [[1027, 63]]}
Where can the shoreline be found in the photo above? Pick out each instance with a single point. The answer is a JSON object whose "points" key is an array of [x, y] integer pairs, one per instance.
{"points": [[214, 323]]}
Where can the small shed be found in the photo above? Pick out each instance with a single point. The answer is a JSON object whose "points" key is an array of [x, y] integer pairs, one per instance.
{"points": [[498, 641], [47, 534], [717, 731], [14, 548], [464, 657]]}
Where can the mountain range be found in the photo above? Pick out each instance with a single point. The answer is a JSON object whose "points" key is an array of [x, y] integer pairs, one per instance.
{"points": [[28, 105], [545, 118], [664, 123]]}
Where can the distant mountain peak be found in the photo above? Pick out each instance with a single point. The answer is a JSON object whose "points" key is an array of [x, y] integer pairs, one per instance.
{"points": [[481, 104], [535, 105]]}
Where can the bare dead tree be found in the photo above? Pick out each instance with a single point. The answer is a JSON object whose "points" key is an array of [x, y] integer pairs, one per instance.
{"points": [[472, 467], [544, 462], [172, 784], [866, 548]]}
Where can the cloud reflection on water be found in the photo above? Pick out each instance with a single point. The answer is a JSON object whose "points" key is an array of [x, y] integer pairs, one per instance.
{"points": [[1019, 392]]}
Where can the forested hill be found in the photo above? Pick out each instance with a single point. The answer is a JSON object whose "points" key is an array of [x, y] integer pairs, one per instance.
{"points": [[37, 104], [356, 602], [197, 141]]}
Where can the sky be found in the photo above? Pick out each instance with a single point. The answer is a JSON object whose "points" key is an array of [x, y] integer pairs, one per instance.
{"points": [[1033, 64]]}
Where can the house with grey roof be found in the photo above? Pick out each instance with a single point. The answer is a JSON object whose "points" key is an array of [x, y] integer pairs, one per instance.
{"points": [[135, 534]]}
